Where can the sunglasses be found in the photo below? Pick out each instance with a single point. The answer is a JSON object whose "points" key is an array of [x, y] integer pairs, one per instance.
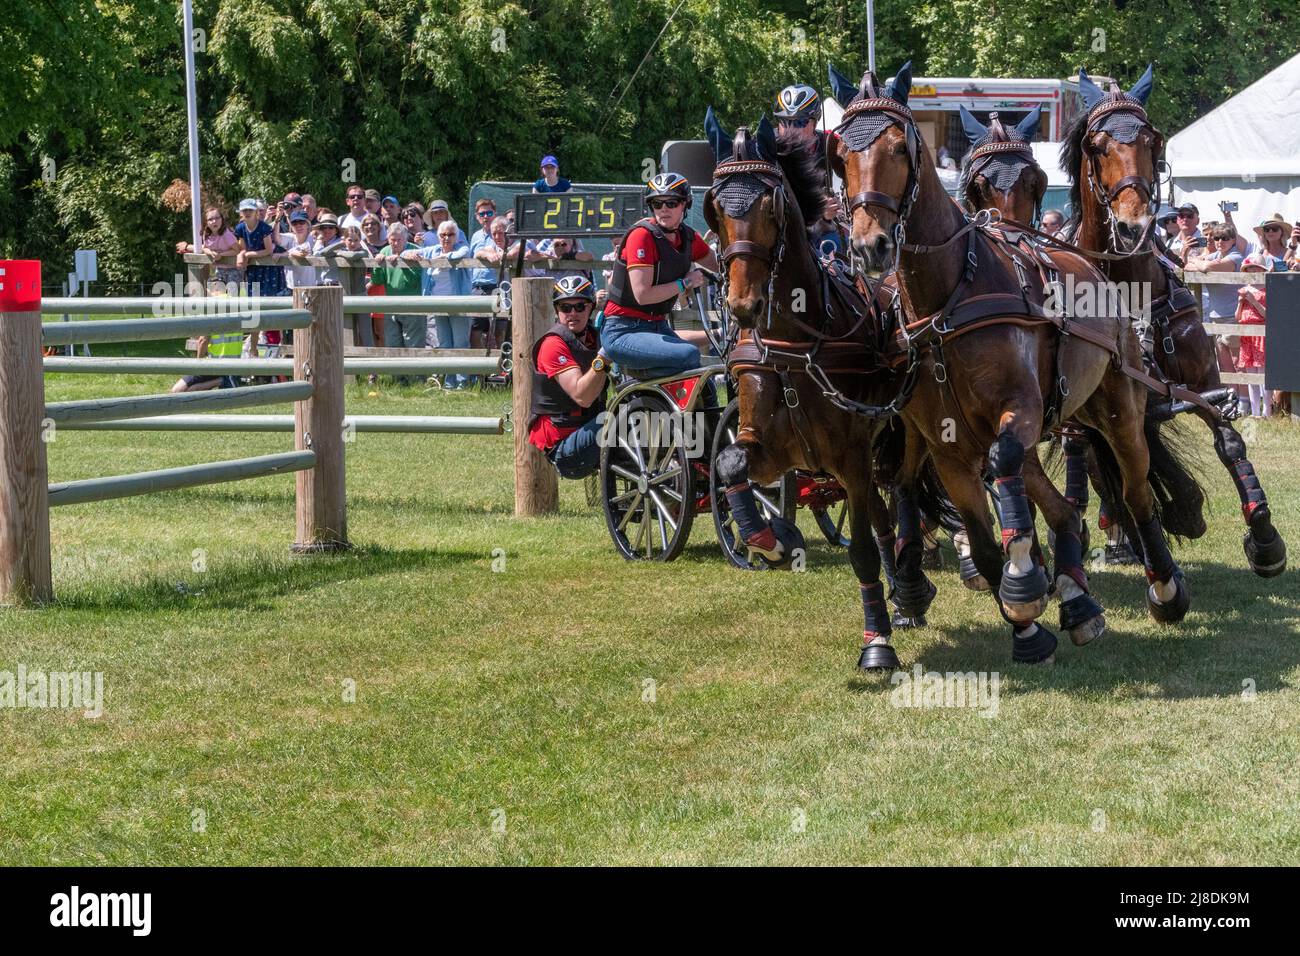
{"points": [[797, 124], [665, 203], [1187, 215], [572, 308], [1225, 238], [485, 214]]}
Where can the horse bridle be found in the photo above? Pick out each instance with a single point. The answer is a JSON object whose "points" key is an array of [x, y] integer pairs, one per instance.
{"points": [[980, 156], [773, 178], [902, 116], [1119, 102]]}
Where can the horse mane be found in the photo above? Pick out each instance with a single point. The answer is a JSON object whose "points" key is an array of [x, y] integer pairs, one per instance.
{"points": [[803, 168], [1072, 160]]}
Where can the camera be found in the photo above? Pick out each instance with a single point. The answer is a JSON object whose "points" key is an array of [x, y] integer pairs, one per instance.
{"points": [[1228, 206]]}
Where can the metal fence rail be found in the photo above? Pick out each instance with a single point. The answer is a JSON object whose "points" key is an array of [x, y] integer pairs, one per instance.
{"points": [[143, 406], [432, 365], [393, 424], [152, 329], [168, 479], [199, 306]]}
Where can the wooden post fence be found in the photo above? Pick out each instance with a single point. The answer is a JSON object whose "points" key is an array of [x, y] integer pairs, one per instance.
{"points": [[25, 575], [537, 487], [318, 358]]}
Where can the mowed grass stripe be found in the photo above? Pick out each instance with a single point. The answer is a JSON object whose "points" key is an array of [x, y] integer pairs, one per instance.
{"points": [[518, 698]]}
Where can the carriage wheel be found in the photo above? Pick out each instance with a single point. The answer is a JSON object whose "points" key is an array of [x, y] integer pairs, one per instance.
{"points": [[647, 483], [832, 521], [774, 501]]}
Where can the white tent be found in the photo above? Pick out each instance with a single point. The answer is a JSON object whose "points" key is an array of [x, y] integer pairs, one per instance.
{"points": [[1247, 149]]}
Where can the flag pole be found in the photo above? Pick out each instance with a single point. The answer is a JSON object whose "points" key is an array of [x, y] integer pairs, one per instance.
{"points": [[191, 106], [871, 36]]}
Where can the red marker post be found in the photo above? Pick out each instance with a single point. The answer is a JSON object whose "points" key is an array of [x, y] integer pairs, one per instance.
{"points": [[24, 476]]}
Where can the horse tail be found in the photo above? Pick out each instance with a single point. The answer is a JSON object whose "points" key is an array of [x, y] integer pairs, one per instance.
{"points": [[932, 498], [1180, 499]]}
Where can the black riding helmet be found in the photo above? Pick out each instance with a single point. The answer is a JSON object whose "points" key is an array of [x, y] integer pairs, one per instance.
{"points": [[798, 102], [573, 287], [668, 186]]}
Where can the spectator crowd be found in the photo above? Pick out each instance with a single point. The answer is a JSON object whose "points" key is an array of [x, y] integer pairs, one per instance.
{"points": [[265, 251]]}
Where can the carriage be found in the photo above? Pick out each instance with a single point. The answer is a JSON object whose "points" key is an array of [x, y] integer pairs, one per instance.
{"points": [[661, 439]]}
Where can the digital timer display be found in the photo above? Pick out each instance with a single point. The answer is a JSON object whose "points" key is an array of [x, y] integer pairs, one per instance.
{"points": [[577, 214]]}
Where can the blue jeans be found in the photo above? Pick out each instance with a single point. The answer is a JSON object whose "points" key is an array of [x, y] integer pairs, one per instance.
{"points": [[578, 455], [651, 348], [453, 333]]}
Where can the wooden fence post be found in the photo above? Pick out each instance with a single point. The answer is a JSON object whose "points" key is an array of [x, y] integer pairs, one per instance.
{"points": [[25, 576], [318, 422], [537, 488]]}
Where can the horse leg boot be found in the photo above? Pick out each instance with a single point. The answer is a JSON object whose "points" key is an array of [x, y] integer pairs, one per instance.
{"points": [[913, 591], [1081, 614], [865, 554], [776, 543], [1023, 590], [1030, 643], [1265, 549], [1167, 597], [1075, 449]]}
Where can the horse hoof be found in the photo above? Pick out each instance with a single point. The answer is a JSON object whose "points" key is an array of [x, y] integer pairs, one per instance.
{"points": [[1024, 596], [904, 622], [970, 575], [1174, 610], [1037, 647], [792, 541], [1267, 558], [913, 598], [878, 657], [1083, 617]]}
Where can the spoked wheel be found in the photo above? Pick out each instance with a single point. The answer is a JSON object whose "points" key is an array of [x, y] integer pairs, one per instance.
{"points": [[832, 520], [647, 482], [774, 501]]}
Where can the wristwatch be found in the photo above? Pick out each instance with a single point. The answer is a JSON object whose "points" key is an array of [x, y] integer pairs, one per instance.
{"points": [[600, 363]]}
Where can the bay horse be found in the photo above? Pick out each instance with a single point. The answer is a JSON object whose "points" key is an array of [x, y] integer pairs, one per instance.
{"points": [[1002, 359], [1112, 154], [805, 362]]}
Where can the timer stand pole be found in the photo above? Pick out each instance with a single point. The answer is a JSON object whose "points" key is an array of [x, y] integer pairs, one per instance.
{"points": [[537, 488]]}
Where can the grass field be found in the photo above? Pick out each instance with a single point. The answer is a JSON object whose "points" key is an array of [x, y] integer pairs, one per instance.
{"points": [[505, 716]]}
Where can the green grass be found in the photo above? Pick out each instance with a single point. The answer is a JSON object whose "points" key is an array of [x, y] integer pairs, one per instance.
{"points": [[521, 692]]}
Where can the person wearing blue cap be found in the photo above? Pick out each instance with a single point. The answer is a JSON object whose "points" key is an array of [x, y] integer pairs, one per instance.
{"points": [[390, 210], [551, 182]]}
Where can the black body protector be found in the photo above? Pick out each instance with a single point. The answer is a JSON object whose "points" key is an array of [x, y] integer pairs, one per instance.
{"points": [[550, 398], [673, 264]]}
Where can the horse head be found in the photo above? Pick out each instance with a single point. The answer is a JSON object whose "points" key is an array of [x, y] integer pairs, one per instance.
{"points": [[1121, 157], [877, 155], [1000, 171], [747, 209]]}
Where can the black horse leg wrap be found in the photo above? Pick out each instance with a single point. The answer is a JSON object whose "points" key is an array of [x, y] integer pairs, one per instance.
{"points": [[1076, 474], [1069, 558], [1013, 508], [1155, 549], [874, 611], [1248, 487], [744, 507], [885, 545], [909, 522]]}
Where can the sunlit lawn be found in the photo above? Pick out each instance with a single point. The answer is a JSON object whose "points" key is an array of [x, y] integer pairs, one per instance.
{"points": [[567, 707]]}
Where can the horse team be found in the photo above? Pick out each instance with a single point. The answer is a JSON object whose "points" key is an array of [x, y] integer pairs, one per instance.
{"points": [[926, 373]]}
